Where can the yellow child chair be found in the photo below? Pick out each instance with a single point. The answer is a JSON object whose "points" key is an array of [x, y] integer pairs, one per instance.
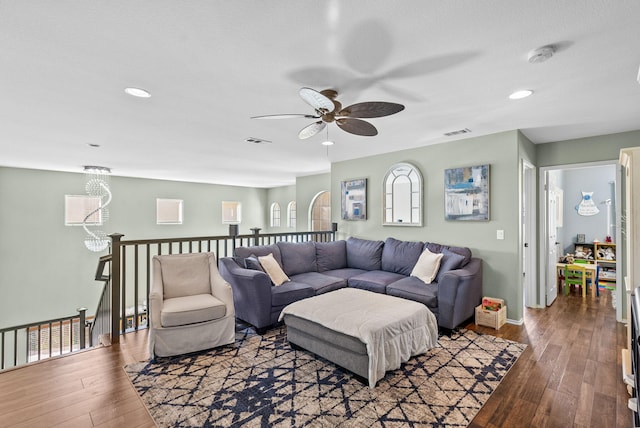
{"points": [[574, 274], [577, 275]]}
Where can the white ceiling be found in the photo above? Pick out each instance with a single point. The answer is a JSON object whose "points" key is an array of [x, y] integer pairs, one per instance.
{"points": [[212, 64]]}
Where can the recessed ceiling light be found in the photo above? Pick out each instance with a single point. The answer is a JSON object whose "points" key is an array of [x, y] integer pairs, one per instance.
{"points": [[521, 94], [328, 143], [137, 92]]}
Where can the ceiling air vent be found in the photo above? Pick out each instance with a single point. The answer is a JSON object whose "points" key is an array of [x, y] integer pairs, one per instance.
{"points": [[458, 132], [257, 140]]}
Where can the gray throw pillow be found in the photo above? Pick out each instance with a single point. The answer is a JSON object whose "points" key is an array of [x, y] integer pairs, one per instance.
{"points": [[450, 261], [253, 263]]}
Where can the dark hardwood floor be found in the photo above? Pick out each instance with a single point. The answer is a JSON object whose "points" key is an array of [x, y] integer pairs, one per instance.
{"points": [[570, 375]]}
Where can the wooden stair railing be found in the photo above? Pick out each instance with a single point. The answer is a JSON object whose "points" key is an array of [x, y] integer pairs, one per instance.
{"points": [[35, 341], [130, 267]]}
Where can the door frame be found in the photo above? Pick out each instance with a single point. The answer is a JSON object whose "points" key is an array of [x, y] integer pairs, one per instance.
{"points": [[528, 234], [543, 264]]}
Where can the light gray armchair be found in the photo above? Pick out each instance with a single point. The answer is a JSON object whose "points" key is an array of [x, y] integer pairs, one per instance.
{"points": [[190, 305]]}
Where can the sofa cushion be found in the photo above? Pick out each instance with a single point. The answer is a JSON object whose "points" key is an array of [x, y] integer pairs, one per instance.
{"points": [[290, 292], [450, 261], [185, 275], [427, 266], [364, 254], [259, 250], [273, 269], [400, 256], [321, 283], [331, 255], [191, 309], [413, 288], [298, 257], [376, 280], [345, 273]]}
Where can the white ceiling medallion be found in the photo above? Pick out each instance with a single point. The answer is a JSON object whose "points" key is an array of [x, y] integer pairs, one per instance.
{"points": [[541, 54]]}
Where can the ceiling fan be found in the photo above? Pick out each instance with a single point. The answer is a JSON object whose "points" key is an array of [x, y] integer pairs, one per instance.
{"points": [[328, 110]]}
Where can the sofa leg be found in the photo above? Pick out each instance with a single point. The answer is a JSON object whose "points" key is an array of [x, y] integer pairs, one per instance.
{"points": [[445, 331], [261, 330]]}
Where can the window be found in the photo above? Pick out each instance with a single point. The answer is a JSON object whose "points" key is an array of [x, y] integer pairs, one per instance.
{"points": [[291, 214], [78, 207], [231, 212], [169, 211], [275, 214], [402, 196], [320, 212]]}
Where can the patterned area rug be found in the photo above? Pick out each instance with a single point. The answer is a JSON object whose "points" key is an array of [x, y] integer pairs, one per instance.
{"points": [[260, 381]]}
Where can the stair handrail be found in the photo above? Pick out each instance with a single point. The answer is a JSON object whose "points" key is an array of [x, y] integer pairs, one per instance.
{"points": [[222, 245]]}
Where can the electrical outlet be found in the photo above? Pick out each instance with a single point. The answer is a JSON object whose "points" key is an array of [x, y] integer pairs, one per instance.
{"points": [[499, 234]]}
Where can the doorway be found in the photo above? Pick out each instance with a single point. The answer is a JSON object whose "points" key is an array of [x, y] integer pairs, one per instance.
{"points": [[565, 192], [320, 212]]}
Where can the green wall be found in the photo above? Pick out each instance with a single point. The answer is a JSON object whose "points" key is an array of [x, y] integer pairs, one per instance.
{"points": [[501, 151], [583, 150], [282, 195], [45, 270], [307, 188]]}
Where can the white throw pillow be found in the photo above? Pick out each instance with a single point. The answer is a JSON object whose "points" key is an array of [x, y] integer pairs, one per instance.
{"points": [[427, 266], [273, 269]]}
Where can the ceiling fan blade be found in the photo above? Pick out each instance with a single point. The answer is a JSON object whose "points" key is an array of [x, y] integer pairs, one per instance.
{"points": [[316, 100], [330, 93], [287, 116], [311, 130], [357, 126], [371, 109]]}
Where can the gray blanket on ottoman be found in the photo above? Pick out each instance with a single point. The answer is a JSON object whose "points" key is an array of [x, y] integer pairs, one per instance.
{"points": [[393, 329]]}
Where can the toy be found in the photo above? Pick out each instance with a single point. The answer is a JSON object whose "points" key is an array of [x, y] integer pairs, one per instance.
{"points": [[567, 258]]}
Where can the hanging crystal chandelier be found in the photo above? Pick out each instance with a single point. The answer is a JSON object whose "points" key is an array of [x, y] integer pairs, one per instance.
{"points": [[97, 178]]}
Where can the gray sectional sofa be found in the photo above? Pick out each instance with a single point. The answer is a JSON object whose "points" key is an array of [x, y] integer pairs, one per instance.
{"points": [[378, 266]]}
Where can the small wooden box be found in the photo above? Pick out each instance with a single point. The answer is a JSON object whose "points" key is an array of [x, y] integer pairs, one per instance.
{"points": [[495, 319]]}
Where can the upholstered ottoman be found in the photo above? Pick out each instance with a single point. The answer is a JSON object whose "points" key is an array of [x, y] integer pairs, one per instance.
{"points": [[367, 333]]}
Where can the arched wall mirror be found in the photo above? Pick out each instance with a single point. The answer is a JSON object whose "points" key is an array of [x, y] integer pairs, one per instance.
{"points": [[402, 199]]}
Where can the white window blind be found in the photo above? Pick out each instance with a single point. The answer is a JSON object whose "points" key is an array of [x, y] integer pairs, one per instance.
{"points": [[169, 211]]}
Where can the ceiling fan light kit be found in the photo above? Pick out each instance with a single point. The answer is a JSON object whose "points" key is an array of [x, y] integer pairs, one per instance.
{"points": [[329, 110]]}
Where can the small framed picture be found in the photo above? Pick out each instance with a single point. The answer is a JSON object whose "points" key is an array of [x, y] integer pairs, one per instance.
{"points": [[580, 239], [354, 199]]}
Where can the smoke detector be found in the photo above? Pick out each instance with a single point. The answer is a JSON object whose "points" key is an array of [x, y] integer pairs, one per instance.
{"points": [[541, 54]]}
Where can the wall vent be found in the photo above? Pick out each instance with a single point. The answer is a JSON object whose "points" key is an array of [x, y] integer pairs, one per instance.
{"points": [[458, 132], [257, 140]]}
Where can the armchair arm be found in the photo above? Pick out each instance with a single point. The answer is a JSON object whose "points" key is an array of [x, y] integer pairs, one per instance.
{"points": [[251, 292], [459, 292], [219, 287], [156, 295]]}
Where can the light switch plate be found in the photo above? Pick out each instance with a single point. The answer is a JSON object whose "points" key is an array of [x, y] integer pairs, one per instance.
{"points": [[499, 234]]}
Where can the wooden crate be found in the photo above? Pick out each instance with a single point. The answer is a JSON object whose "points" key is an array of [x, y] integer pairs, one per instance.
{"points": [[495, 319]]}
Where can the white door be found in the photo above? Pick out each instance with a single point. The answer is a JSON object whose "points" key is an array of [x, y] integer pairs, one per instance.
{"points": [[552, 246]]}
